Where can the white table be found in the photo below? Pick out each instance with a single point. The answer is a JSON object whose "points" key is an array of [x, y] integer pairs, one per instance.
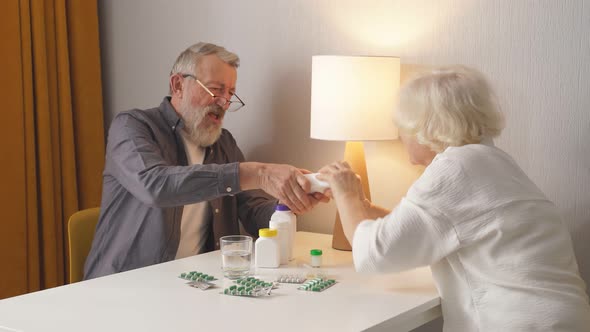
{"points": [[155, 299]]}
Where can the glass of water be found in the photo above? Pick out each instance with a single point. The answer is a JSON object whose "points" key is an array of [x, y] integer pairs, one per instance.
{"points": [[236, 255]]}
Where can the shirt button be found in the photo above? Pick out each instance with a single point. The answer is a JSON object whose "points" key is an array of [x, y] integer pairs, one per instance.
{"points": [[216, 210], [228, 189]]}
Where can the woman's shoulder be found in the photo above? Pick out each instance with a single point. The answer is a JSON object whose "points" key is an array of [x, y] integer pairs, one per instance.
{"points": [[474, 153], [443, 176], [458, 172], [482, 161], [477, 173], [457, 161]]}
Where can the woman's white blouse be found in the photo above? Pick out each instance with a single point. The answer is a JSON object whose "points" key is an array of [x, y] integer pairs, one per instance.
{"points": [[500, 255]]}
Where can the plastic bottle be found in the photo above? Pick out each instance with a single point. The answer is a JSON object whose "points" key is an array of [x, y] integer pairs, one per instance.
{"points": [[283, 227], [315, 257], [283, 212], [267, 252]]}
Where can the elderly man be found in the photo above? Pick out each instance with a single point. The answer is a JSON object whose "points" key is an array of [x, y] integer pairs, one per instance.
{"points": [[175, 181]]}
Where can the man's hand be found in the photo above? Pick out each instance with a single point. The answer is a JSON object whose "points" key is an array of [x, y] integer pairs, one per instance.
{"points": [[284, 182]]}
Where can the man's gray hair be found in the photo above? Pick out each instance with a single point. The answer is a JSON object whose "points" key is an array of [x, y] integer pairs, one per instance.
{"points": [[188, 60]]}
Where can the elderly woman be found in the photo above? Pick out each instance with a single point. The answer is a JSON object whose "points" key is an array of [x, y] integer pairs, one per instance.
{"points": [[501, 256]]}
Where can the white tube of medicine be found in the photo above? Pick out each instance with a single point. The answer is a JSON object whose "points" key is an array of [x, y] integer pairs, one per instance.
{"points": [[316, 257]]}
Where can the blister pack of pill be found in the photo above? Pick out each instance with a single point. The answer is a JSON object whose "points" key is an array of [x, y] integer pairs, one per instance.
{"points": [[202, 285], [250, 286], [250, 291], [196, 276], [253, 282], [317, 285], [291, 279]]}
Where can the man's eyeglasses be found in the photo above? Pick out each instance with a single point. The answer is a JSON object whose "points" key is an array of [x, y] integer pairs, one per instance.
{"points": [[235, 103]]}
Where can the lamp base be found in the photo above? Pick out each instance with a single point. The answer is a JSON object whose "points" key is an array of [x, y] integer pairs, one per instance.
{"points": [[339, 240], [354, 155]]}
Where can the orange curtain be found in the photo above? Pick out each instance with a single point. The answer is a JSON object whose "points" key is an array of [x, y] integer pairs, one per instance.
{"points": [[52, 135]]}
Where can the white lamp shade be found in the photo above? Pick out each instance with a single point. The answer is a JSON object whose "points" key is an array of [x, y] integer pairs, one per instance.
{"points": [[352, 97]]}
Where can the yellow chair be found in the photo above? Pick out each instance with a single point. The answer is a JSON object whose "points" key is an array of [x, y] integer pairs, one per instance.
{"points": [[81, 228]]}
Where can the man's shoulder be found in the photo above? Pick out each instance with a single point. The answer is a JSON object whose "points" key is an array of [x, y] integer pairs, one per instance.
{"points": [[226, 140], [226, 136], [140, 114], [151, 117]]}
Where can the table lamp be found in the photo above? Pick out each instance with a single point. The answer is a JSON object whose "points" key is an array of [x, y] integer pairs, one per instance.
{"points": [[352, 100]]}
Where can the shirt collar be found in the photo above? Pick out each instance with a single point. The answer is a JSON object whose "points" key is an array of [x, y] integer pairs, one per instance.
{"points": [[487, 141], [172, 118]]}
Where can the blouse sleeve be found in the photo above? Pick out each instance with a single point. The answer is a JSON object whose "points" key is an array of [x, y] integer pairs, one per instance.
{"points": [[416, 233]]}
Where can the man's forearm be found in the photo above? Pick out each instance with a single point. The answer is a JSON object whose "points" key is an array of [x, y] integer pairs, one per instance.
{"points": [[250, 174], [284, 182]]}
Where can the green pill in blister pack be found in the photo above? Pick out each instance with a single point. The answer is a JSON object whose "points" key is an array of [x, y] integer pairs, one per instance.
{"points": [[254, 282], [317, 285], [196, 276], [251, 287], [251, 291], [198, 279]]}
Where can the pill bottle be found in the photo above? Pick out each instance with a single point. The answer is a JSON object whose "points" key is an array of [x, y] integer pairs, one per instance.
{"points": [[266, 249], [283, 212], [315, 257], [283, 227]]}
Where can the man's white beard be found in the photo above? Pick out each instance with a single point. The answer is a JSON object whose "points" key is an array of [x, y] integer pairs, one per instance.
{"points": [[194, 127]]}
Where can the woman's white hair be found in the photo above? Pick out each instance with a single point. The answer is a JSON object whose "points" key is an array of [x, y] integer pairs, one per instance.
{"points": [[450, 106], [188, 60]]}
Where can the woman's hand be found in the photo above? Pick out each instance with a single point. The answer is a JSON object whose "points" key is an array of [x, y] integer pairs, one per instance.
{"points": [[344, 183], [347, 190]]}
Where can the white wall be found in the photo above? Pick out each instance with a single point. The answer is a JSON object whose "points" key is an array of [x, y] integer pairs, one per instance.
{"points": [[536, 53]]}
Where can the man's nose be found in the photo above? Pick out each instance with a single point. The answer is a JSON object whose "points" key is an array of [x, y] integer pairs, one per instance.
{"points": [[226, 94], [222, 102]]}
